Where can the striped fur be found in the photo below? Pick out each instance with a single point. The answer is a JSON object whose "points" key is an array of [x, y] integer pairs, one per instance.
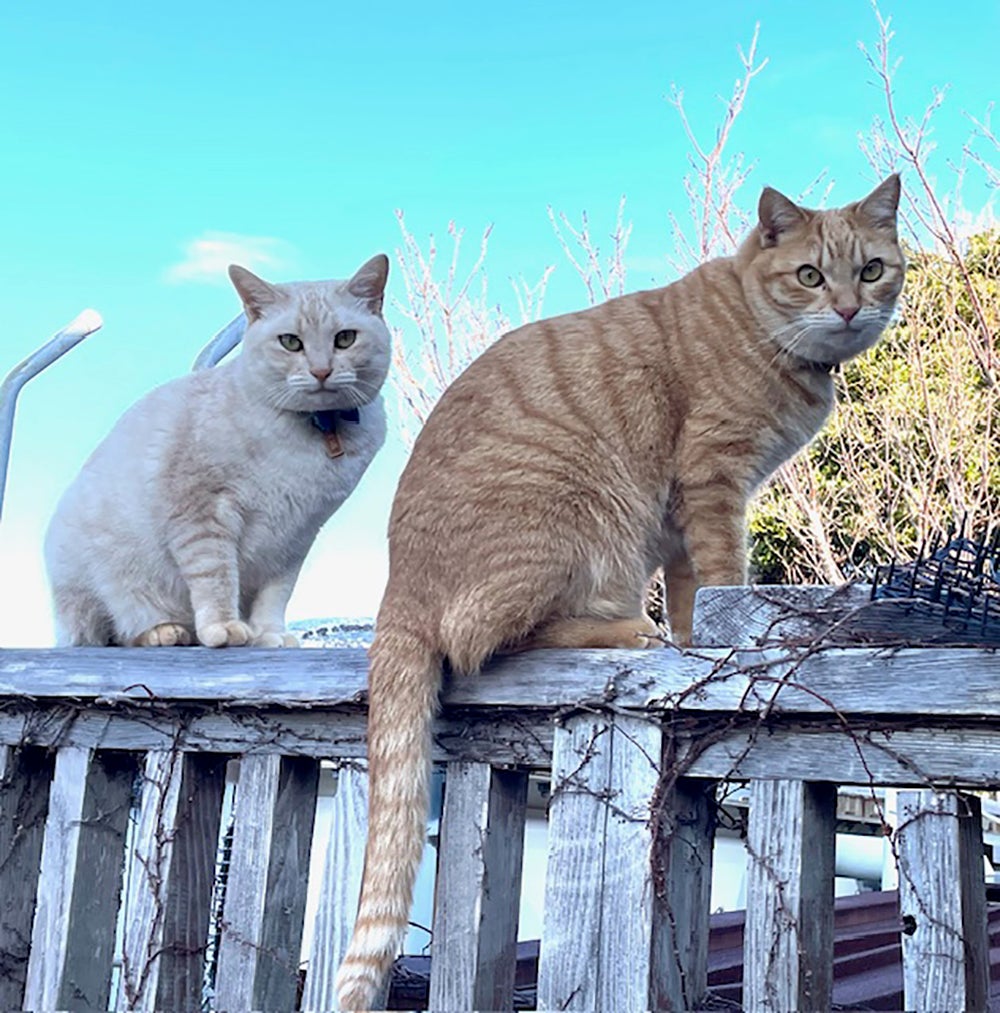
{"points": [[575, 457], [191, 520]]}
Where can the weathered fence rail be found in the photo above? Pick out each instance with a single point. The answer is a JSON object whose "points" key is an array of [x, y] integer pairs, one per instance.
{"points": [[113, 788]]}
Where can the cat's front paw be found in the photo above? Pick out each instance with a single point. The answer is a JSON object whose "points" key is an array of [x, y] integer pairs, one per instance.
{"points": [[275, 640], [231, 634], [165, 635]]}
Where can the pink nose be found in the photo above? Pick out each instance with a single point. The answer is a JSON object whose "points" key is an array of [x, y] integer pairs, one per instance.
{"points": [[847, 312], [322, 374]]}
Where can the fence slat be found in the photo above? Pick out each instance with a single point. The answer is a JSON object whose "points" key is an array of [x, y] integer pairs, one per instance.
{"points": [[597, 950], [170, 886], [340, 886], [266, 889], [25, 777], [942, 900], [788, 943], [682, 889], [473, 957], [73, 937], [627, 910], [581, 770]]}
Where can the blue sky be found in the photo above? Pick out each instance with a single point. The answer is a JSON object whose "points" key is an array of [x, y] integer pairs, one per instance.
{"points": [[142, 144]]}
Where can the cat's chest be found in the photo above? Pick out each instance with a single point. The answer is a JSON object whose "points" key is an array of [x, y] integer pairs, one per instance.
{"points": [[798, 410], [311, 465]]}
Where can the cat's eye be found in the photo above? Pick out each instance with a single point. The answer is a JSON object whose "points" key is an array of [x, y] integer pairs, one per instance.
{"points": [[872, 271], [810, 276], [290, 342], [344, 339]]}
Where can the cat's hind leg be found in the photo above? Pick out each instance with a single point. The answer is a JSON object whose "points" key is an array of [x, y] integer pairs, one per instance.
{"points": [[81, 618], [592, 632], [164, 635]]}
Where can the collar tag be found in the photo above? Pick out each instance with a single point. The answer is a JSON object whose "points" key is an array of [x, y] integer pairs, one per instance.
{"points": [[326, 423]]}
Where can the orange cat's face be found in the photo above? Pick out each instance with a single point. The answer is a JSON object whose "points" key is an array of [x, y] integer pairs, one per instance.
{"points": [[826, 282]]}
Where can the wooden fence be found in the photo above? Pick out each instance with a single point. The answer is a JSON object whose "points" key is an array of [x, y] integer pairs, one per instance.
{"points": [[113, 781]]}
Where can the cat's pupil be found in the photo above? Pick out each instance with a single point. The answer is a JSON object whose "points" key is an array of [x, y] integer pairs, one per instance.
{"points": [[810, 276], [872, 271], [290, 342], [344, 339]]}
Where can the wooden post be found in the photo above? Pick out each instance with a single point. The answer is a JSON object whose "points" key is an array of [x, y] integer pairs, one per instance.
{"points": [[169, 894], [597, 949], [25, 776], [682, 883], [72, 940], [266, 889], [942, 901], [477, 898], [340, 886], [788, 942]]}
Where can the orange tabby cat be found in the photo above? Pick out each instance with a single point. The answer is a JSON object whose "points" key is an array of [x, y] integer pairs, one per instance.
{"points": [[575, 457]]}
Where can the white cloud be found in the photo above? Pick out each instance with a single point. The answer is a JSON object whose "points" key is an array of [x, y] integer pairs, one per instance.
{"points": [[208, 256]]}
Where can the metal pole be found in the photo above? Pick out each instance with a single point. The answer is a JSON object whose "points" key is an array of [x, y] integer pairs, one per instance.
{"points": [[222, 344], [59, 344]]}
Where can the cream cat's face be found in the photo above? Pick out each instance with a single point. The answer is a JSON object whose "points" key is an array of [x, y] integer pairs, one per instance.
{"points": [[315, 346], [826, 282]]}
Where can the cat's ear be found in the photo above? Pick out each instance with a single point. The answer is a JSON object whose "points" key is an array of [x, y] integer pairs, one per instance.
{"points": [[255, 293], [881, 205], [369, 281], [777, 214]]}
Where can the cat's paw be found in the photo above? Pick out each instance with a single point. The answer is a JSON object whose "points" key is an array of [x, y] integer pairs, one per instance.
{"points": [[275, 640], [165, 635], [231, 634]]}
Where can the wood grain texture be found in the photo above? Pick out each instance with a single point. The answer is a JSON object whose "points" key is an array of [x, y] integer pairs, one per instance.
{"points": [[682, 888], [169, 892], [751, 616], [97, 884], [624, 965], [478, 888], [49, 935], [340, 886], [25, 779], [786, 680], [571, 933], [942, 901], [788, 940], [266, 888]]}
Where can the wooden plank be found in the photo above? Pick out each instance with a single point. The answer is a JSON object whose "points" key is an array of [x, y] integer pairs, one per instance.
{"points": [[97, 881], [340, 886], [747, 616], [682, 888], [171, 879], [49, 934], [942, 901], [571, 933], [25, 777], [266, 888], [789, 680], [865, 753], [473, 955], [624, 969], [788, 941]]}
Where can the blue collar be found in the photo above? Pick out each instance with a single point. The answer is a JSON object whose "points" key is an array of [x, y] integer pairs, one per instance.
{"points": [[326, 421]]}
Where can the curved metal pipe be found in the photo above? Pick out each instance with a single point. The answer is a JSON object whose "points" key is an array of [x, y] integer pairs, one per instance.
{"points": [[59, 344]]}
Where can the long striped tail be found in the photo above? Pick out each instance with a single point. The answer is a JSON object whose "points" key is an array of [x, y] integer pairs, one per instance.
{"points": [[404, 683]]}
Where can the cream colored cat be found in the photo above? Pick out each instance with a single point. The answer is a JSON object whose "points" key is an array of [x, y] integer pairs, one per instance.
{"points": [[575, 457], [193, 517]]}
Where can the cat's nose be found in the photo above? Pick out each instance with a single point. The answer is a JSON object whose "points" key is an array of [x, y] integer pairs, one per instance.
{"points": [[847, 312], [320, 373]]}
